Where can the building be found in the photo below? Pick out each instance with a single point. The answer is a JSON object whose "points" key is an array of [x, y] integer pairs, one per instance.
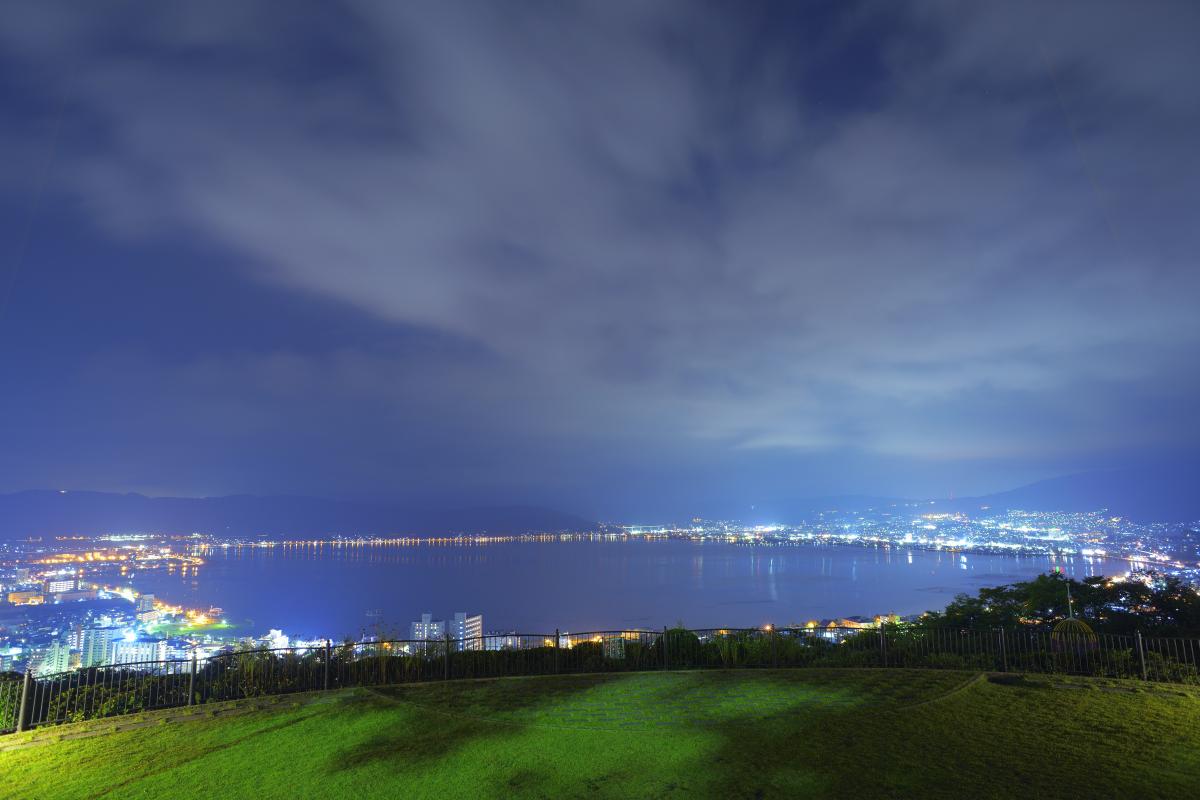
{"points": [[29, 598], [132, 651], [467, 631], [274, 640], [502, 641], [59, 585], [614, 647], [75, 637], [79, 594], [144, 608], [428, 628], [95, 644], [181, 650], [57, 658]]}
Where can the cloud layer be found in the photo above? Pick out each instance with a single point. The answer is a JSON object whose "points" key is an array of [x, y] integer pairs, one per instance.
{"points": [[742, 235]]}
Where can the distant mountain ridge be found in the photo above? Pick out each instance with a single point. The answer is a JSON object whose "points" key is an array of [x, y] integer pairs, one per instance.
{"points": [[1164, 493], [50, 513]]}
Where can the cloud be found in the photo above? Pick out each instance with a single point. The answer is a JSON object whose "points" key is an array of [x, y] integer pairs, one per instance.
{"points": [[660, 208]]}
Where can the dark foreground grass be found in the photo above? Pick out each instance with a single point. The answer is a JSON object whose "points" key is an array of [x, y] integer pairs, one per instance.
{"points": [[802, 733]]}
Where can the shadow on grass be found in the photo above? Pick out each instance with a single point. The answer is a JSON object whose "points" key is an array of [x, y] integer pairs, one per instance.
{"points": [[1006, 736], [761, 733], [407, 750], [823, 750], [445, 718]]}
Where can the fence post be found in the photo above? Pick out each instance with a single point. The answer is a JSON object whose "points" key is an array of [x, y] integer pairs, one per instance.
{"points": [[774, 649], [882, 646], [192, 678], [556, 641], [1141, 654], [23, 713], [1003, 652], [328, 654], [664, 641], [446, 658]]}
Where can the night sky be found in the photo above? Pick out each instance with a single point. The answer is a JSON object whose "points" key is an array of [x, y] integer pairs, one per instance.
{"points": [[619, 258]]}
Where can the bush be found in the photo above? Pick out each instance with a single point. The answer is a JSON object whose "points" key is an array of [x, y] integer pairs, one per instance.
{"points": [[10, 699], [683, 649]]}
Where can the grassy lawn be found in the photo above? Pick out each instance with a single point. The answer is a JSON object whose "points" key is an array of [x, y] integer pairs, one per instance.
{"points": [[170, 629], [800, 733]]}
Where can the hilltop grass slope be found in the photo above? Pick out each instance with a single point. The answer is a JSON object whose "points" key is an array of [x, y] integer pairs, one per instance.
{"points": [[800, 733]]}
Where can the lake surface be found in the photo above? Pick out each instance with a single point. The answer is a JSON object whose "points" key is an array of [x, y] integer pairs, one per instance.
{"points": [[583, 585]]}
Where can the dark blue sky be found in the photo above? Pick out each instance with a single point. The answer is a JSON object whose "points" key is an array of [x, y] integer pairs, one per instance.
{"points": [[618, 258]]}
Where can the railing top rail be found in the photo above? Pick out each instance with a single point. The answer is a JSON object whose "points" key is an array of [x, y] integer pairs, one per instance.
{"points": [[124, 665], [262, 650]]}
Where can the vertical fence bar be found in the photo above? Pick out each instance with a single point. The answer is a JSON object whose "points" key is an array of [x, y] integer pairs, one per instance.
{"points": [[1003, 653], [446, 659], [192, 679], [664, 642], [23, 713], [328, 648], [1191, 652], [557, 639], [1141, 654]]}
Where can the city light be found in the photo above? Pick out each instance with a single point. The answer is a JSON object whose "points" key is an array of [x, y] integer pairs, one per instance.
{"points": [[77, 571]]}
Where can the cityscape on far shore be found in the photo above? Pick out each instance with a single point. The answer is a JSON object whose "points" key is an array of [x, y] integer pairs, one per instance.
{"points": [[75, 601]]}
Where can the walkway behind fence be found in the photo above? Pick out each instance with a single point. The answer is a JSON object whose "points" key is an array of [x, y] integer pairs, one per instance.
{"points": [[104, 691]]}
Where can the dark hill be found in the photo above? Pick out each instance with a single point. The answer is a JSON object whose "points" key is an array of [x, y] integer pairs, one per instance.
{"points": [[1169, 493], [40, 513]]}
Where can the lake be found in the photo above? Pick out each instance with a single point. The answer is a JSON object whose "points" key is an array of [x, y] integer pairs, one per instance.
{"points": [[579, 585]]}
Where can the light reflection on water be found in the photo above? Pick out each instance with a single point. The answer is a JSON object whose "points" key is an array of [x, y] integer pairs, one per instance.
{"points": [[581, 585]]}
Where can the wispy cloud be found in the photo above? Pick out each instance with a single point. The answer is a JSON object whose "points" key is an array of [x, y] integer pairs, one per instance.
{"points": [[939, 236]]}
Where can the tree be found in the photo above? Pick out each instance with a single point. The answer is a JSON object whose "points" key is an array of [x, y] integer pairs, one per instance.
{"points": [[1150, 601]]}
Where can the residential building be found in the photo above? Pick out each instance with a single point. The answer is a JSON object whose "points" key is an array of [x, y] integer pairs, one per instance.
{"points": [[57, 585], [467, 631], [144, 610], [56, 658], [95, 646], [132, 651], [428, 628]]}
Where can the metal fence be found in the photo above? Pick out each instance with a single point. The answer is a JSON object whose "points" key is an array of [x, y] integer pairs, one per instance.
{"points": [[31, 701]]}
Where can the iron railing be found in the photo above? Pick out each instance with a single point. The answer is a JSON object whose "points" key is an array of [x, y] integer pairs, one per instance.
{"points": [[29, 701]]}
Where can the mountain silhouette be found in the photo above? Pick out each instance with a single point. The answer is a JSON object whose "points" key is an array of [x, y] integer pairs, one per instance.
{"points": [[51, 513]]}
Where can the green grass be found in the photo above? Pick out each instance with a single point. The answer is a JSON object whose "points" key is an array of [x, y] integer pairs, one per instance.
{"points": [[172, 629], [801, 733]]}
